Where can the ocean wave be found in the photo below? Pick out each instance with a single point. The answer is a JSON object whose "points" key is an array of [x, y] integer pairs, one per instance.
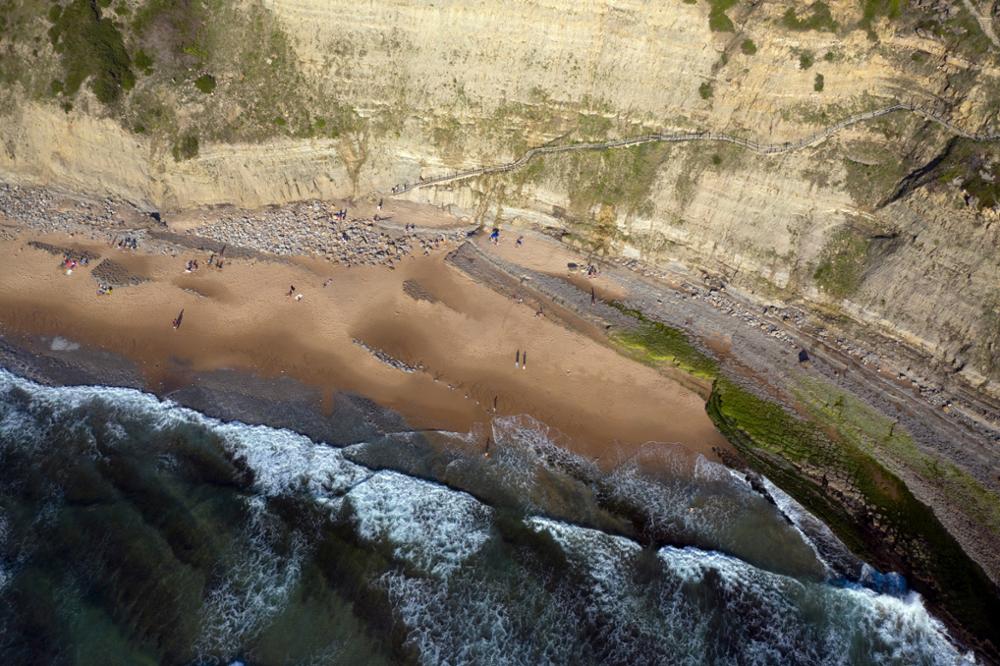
{"points": [[426, 524], [256, 585], [462, 583], [755, 616]]}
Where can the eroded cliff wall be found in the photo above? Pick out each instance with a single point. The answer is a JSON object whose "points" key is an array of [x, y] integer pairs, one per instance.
{"points": [[892, 222]]}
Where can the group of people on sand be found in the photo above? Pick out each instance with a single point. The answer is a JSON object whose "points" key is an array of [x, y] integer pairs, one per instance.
{"points": [[296, 296], [495, 238], [69, 263], [128, 243], [521, 359], [214, 260]]}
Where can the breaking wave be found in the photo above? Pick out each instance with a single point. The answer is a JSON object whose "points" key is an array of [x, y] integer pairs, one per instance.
{"points": [[137, 529]]}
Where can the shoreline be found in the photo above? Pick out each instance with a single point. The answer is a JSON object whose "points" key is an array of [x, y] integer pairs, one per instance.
{"points": [[470, 301], [461, 337]]}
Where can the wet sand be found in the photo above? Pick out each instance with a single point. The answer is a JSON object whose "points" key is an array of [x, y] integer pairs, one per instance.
{"points": [[461, 336]]}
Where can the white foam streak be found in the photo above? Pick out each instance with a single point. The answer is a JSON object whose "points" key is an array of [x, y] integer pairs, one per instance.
{"points": [[284, 461], [256, 586], [427, 525]]}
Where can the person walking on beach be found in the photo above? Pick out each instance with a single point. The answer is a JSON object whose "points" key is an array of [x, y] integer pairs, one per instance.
{"points": [[517, 358], [178, 319], [524, 360], [291, 290]]}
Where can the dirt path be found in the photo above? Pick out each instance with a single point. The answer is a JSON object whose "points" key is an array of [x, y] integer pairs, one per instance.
{"points": [[757, 147]]}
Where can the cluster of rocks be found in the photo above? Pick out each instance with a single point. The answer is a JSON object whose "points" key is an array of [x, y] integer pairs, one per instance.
{"points": [[112, 273], [711, 293], [313, 229], [43, 210], [382, 356], [310, 228], [83, 256], [108, 221]]}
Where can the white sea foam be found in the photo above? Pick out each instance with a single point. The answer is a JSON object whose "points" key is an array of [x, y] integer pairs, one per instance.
{"points": [[60, 343], [764, 617], [428, 525], [475, 622], [284, 461], [700, 606], [860, 623], [814, 531], [256, 586]]}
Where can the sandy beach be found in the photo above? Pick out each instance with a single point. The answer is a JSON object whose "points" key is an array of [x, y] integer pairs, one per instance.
{"points": [[422, 339]]}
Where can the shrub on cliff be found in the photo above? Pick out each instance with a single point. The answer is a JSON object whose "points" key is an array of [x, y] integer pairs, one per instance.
{"points": [[818, 18], [91, 47], [205, 83], [186, 147]]}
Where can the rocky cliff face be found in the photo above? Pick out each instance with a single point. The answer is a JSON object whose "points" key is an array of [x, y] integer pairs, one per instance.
{"points": [[891, 222]]}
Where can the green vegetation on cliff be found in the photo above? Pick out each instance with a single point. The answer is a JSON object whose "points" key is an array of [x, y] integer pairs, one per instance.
{"points": [[842, 263], [975, 169], [866, 505], [817, 17], [875, 9], [622, 179], [91, 48], [718, 21]]}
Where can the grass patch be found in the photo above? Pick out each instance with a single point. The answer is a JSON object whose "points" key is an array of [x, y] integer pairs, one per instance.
{"points": [[872, 10], [654, 343], [186, 147], [705, 90], [816, 17], [818, 83], [806, 59], [974, 170], [874, 172], [205, 83], [842, 263], [748, 47], [718, 21], [603, 187], [144, 62]]}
